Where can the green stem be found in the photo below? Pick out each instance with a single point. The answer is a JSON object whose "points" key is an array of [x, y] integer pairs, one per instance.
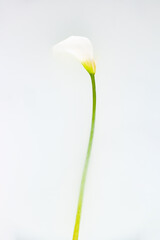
{"points": [[83, 180]]}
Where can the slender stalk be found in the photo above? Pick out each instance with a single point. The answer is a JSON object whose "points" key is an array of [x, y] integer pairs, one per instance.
{"points": [[84, 174]]}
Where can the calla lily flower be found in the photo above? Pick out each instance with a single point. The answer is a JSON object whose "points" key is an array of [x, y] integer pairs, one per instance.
{"points": [[81, 48]]}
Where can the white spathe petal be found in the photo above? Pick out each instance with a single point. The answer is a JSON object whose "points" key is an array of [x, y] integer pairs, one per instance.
{"points": [[79, 47]]}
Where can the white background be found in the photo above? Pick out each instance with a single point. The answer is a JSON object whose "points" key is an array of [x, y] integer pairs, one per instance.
{"points": [[45, 113]]}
